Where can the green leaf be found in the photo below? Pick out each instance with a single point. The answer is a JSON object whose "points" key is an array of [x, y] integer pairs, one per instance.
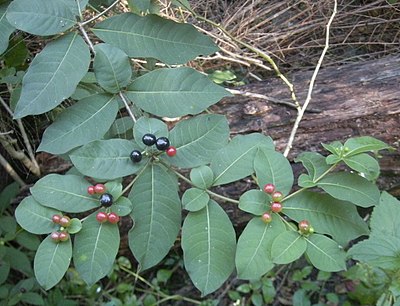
{"points": [[327, 215], [34, 217], [145, 125], [64, 192], [253, 254], [76, 6], [75, 226], [272, 167], [325, 254], [314, 163], [106, 159], [156, 37], [16, 56], [288, 247], [235, 161], [197, 140], [32, 298], [305, 181], [7, 194], [174, 92], [208, 243], [121, 126], [363, 144], [40, 17], [6, 28], [27, 240], [52, 260], [18, 260], [112, 67], [255, 202], [384, 218], [300, 298], [364, 164], [83, 122], [157, 215], [95, 249], [335, 147], [195, 199], [380, 250], [53, 75], [350, 187], [4, 271], [202, 176], [122, 207]]}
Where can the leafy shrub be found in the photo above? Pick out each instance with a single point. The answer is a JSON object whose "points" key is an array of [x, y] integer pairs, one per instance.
{"points": [[141, 179]]}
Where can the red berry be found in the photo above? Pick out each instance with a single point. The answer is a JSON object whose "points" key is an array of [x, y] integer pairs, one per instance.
{"points": [[113, 218], [304, 226], [101, 217], [90, 190], [56, 219], [99, 188], [65, 221], [276, 207], [269, 188], [171, 151], [277, 196], [55, 236], [266, 217], [63, 236]]}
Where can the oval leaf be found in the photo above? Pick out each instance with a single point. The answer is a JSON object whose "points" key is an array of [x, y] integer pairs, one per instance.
{"points": [[202, 176], [174, 92], [208, 243], [255, 202], [235, 161], [95, 249], [64, 192], [272, 167], [195, 199], [288, 247], [350, 187], [51, 261], [198, 139], [327, 215], [106, 159], [122, 207], [156, 37], [157, 215], [253, 254], [35, 218], [364, 164], [5, 28], [40, 17], [112, 67], [53, 75], [363, 144], [83, 122], [325, 254], [314, 163]]}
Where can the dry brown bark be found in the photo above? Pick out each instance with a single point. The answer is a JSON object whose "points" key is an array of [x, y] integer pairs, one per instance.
{"points": [[351, 100]]}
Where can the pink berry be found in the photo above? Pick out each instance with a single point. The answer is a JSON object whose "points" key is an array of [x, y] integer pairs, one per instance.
{"points": [[56, 219], [277, 196], [101, 217], [304, 227], [113, 218], [99, 188], [55, 236], [269, 188], [90, 190], [276, 207], [266, 217], [65, 221], [63, 236]]}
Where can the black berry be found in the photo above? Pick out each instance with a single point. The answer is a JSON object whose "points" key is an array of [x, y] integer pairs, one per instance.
{"points": [[106, 199], [162, 143], [149, 139], [136, 156]]}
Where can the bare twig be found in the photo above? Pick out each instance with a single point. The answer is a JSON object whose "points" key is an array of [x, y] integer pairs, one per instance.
{"points": [[100, 14], [311, 86], [121, 95], [10, 170], [86, 37]]}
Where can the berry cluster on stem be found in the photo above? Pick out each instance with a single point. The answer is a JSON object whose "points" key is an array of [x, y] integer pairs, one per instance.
{"points": [[161, 143], [111, 217]]}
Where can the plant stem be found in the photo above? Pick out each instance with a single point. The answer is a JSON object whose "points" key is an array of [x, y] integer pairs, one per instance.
{"points": [[226, 199], [121, 95], [10, 170], [311, 86], [86, 37], [100, 14], [135, 178]]}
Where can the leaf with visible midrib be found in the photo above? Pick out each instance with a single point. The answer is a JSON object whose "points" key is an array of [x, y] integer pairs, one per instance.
{"points": [[51, 261], [156, 37], [157, 215], [350, 187], [83, 122], [40, 17], [95, 249], [208, 243], [53, 75], [174, 92], [5, 29]]}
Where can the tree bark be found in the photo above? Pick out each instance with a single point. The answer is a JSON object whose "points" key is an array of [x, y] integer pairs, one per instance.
{"points": [[361, 99]]}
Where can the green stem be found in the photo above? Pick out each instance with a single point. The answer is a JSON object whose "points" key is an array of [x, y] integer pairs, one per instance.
{"points": [[226, 199], [136, 177]]}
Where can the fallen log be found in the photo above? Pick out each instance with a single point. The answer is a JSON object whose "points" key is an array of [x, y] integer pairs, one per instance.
{"points": [[351, 100]]}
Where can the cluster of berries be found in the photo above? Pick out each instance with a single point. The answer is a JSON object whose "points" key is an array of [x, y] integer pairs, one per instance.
{"points": [[106, 200], [64, 222], [102, 217], [162, 144], [276, 205]]}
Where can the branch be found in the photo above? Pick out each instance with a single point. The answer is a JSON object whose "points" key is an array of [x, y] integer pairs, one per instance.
{"points": [[311, 87], [100, 14], [10, 170], [127, 106]]}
